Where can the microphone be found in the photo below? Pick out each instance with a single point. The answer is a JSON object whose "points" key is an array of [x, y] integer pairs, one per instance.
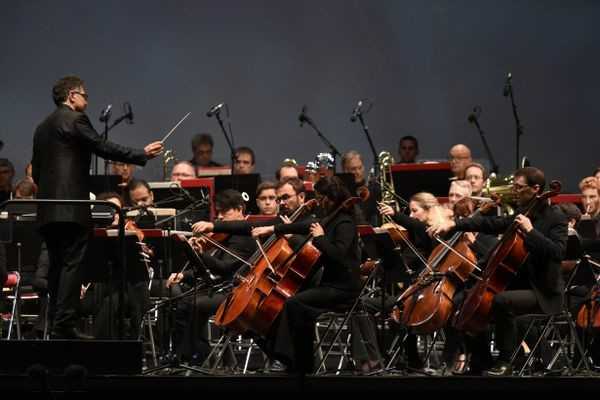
{"points": [[507, 85], [1, 144], [128, 112], [302, 117], [105, 113], [475, 114], [215, 109], [356, 112]]}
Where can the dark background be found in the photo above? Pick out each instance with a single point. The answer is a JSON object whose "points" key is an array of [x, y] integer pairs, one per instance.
{"points": [[425, 64]]}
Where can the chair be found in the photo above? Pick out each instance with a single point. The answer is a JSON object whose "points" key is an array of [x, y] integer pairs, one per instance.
{"points": [[13, 287], [336, 321], [557, 333]]}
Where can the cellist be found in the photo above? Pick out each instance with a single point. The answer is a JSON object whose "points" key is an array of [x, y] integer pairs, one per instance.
{"points": [[538, 285], [291, 337]]}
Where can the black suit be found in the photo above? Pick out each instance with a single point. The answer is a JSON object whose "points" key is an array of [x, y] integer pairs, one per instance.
{"points": [[62, 150], [538, 286], [3, 271]]}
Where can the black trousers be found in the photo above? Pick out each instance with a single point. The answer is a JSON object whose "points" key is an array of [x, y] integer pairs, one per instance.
{"points": [[506, 306], [67, 244], [136, 301], [191, 324], [292, 335]]}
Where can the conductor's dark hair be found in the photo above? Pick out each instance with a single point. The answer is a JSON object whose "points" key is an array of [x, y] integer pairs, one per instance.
{"points": [[61, 89]]}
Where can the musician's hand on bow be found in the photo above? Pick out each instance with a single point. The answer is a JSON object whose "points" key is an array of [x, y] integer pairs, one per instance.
{"points": [[524, 223], [316, 229], [385, 209], [174, 279], [196, 243], [441, 226], [203, 227], [262, 231], [153, 149]]}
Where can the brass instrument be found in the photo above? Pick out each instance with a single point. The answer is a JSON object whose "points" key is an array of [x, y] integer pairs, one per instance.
{"points": [[501, 187], [168, 157], [386, 181]]}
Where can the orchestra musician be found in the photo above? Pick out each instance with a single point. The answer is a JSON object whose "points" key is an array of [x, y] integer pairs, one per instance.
{"points": [[292, 335], [538, 286], [62, 148], [460, 157], [194, 311], [266, 198]]}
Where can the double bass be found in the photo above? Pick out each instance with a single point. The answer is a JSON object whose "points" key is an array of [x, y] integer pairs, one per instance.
{"points": [[503, 264]]}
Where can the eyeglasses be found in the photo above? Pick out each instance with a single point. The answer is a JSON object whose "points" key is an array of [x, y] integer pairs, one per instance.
{"points": [[284, 197], [518, 187], [84, 95]]}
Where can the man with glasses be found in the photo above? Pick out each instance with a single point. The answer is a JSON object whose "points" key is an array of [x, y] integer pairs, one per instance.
{"points": [[538, 285], [62, 149], [459, 157]]}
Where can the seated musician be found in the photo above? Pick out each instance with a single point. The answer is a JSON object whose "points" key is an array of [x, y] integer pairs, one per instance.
{"points": [[140, 193], [459, 157], [424, 207], [408, 149], [182, 170], [352, 163], [287, 169], [476, 174], [266, 198], [194, 311], [244, 162], [539, 285], [292, 335]]}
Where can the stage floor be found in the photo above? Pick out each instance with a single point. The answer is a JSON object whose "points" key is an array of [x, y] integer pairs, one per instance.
{"points": [[309, 384]]}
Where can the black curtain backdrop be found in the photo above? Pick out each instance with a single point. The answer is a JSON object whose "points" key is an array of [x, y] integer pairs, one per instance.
{"points": [[426, 64]]}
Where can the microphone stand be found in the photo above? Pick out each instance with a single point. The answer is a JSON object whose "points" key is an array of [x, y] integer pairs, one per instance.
{"points": [[473, 119], [107, 128], [334, 152], [228, 138], [371, 145], [519, 127]]}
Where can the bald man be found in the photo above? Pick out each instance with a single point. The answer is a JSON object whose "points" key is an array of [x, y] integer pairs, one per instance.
{"points": [[460, 158]]}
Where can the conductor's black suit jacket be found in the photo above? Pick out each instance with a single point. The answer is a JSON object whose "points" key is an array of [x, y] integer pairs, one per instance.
{"points": [[62, 151]]}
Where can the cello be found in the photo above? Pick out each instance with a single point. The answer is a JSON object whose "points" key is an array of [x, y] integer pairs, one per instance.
{"points": [[503, 264], [265, 293], [428, 303], [239, 308]]}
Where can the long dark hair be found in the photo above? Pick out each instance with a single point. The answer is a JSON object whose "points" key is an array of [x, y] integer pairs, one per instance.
{"points": [[334, 189]]}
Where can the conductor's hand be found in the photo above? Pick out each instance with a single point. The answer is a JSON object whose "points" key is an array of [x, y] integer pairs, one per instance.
{"points": [[174, 279], [154, 149], [203, 227]]}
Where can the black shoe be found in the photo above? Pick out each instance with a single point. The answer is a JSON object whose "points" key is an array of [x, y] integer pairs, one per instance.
{"points": [[277, 367], [501, 368], [69, 333]]}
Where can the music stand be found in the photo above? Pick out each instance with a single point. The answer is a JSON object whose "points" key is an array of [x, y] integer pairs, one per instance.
{"points": [[427, 177], [102, 264], [106, 183]]}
